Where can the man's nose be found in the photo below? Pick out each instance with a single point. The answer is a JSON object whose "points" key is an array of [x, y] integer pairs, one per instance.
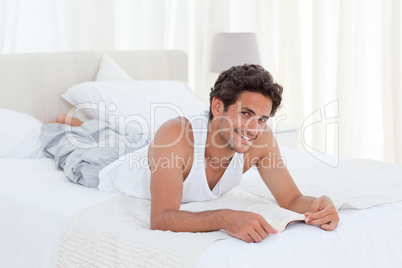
{"points": [[252, 127]]}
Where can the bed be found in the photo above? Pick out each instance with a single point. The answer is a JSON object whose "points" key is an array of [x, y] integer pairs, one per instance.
{"points": [[47, 221]]}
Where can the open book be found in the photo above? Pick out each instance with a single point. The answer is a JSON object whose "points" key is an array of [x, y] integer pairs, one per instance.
{"points": [[279, 218]]}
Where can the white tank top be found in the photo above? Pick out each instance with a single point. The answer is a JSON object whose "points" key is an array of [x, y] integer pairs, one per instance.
{"points": [[131, 175]]}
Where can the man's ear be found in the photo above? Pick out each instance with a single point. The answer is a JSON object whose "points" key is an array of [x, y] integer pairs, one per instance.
{"points": [[217, 107]]}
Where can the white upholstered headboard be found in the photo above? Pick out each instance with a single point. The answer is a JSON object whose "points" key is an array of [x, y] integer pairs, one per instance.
{"points": [[33, 83]]}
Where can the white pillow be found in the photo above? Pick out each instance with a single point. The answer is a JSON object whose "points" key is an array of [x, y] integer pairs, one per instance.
{"points": [[19, 135], [110, 70], [133, 103]]}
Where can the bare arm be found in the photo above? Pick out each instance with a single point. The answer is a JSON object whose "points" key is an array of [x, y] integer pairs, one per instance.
{"points": [[318, 211], [167, 189]]}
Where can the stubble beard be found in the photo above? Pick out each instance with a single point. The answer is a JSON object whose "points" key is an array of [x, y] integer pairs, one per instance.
{"points": [[228, 141]]}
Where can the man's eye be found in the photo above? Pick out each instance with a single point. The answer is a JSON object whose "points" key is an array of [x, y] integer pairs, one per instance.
{"points": [[263, 120], [245, 113]]}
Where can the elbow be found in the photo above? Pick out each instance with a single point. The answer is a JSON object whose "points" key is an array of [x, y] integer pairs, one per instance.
{"points": [[158, 222], [156, 225], [153, 225]]}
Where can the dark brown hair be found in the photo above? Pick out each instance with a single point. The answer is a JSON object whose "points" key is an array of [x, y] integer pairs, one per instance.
{"points": [[247, 77]]}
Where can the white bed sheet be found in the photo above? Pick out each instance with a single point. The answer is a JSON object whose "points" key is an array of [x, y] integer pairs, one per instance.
{"points": [[36, 202], [364, 238]]}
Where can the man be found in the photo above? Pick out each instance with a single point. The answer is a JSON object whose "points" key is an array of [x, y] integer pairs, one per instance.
{"points": [[201, 165]]}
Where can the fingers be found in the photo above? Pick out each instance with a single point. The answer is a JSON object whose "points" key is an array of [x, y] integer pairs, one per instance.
{"points": [[329, 226], [328, 210], [249, 235], [257, 233], [315, 206], [255, 237], [267, 227], [320, 203], [252, 229], [324, 214], [323, 220], [261, 232]]}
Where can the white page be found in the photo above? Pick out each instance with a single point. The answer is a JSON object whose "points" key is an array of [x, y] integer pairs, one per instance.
{"points": [[276, 216]]}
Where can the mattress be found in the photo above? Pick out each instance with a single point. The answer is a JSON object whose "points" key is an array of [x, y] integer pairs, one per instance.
{"points": [[37, 202], [364, 238]]}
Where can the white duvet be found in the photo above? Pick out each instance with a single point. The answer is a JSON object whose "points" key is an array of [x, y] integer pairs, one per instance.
{"points": [[37, 202]]}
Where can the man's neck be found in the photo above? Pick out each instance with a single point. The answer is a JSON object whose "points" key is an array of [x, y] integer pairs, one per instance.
{"points": [[223, 153]]}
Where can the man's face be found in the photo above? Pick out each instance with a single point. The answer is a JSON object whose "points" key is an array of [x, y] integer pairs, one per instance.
{"points": [[244, 121]]}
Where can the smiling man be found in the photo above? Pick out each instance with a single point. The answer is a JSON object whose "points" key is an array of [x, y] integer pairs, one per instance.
{"points": [[203, 157]]}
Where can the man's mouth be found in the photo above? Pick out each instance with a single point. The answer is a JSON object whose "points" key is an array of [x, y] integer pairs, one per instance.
{"points": [[244, 137]]}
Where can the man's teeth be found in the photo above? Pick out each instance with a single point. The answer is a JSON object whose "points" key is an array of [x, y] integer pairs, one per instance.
{"points": [[244, 137]]}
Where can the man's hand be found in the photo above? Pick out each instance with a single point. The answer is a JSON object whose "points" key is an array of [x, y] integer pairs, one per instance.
{"points": [[323, 213], [247, 226]]}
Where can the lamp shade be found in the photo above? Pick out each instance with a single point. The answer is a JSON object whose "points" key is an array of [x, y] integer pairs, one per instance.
{"points": [[231, 49]]}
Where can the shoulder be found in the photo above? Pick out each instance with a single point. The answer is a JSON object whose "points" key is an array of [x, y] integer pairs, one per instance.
{"points": [[174, 134]]}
